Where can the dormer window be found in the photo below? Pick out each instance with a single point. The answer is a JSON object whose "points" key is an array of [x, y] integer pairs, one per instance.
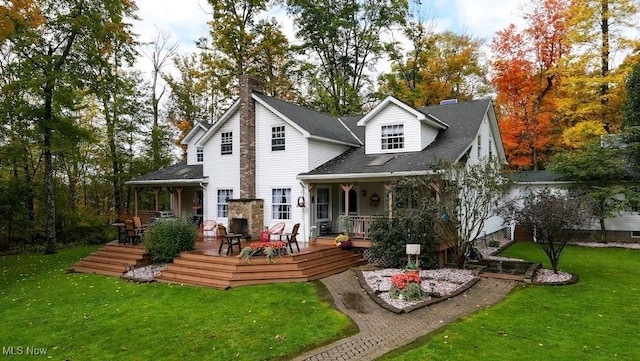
{"points": [[199, 155], [393, 137], [277, 138], [226, 143]]}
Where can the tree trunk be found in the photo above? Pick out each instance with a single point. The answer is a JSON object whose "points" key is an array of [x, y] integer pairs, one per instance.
{"points": [[50, 224], [603, 231]]}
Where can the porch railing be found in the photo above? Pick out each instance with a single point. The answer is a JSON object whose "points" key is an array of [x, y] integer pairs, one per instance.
{"points": [[360, 226]]}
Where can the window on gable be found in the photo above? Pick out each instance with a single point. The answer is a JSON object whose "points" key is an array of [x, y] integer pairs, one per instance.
{"points": [[226, 143], [281, 203], [277, 138], [223, 207], [479, 145], [490, 149], [199, 155], [393, 136]]}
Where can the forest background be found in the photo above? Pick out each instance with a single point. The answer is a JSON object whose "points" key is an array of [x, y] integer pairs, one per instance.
{"points": [[77, 120]]}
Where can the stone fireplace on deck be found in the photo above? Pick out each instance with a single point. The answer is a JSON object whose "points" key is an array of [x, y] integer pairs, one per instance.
{"points": [[246, 213]]}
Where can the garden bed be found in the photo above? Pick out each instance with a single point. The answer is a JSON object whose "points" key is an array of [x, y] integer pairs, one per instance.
{"points": [[439, 285]]}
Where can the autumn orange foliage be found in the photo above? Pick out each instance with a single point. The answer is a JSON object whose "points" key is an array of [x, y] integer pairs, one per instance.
{"points": [[526, 78], [19, 13]]}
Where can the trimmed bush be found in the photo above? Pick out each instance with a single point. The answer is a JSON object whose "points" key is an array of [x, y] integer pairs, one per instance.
{"points": [[166, 239], [390, 236]]}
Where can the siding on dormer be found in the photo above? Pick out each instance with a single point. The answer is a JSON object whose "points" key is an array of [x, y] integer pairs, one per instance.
{"points": [[416, 133]]}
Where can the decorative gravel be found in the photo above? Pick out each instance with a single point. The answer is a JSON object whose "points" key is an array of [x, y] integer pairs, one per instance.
{"points": [[544, 275], [443, 281], [147, 273], [607, 245]]}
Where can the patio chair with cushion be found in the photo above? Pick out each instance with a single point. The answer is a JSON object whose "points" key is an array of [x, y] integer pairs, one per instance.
{"points": [[132, 235], [229, 239], [292, 237]]}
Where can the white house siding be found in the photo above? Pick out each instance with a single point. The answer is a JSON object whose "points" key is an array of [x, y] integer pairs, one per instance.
{"points": [[223, 170], [192, 148], [392, 115], [427, 135], [278, 169], [486, 140], [320, 152], [625, 221]]}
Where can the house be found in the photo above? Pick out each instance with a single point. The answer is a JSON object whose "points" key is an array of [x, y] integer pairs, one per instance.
{"points": [[266, 161], [624, 227]]}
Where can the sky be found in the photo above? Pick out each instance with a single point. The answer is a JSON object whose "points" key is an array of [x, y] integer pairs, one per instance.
{"points": [[186, 20]]}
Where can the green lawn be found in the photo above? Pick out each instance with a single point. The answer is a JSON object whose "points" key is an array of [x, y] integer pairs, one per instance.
{"points": [[596, 319], [89, 317]]}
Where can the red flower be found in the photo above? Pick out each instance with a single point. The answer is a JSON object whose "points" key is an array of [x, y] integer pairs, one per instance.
{"points": [[402, 280]]}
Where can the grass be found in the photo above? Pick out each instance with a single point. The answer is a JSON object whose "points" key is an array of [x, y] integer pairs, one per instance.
{"points": [[597, 318], [89, 317]]}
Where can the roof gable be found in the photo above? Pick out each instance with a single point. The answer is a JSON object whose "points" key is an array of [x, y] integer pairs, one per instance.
{"points": [[420, 115], [198, 130]]}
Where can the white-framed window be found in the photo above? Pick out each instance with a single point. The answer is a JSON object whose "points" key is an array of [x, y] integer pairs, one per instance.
{"points": [[199, 155], [223, 207], [323, 197], [281, 203], [392, 136], [635, 234], [479, 144], [277, 138], [226, 143]]}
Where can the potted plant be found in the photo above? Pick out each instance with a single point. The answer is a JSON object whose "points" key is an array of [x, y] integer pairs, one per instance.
{"points": [[342, 240], [412, 267]]}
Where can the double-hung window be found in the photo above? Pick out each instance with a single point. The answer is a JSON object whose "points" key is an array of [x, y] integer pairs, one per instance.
{"points": [[393, 137], [223, 207], [281, 203], [199, 155], [479, 145], [226, 143], [277, 138]]}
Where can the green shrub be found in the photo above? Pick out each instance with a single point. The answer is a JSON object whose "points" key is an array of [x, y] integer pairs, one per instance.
{"points": [[494, 243], [389, 238], [166, 239]]}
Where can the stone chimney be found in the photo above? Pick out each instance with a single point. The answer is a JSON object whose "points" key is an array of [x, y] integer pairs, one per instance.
{"points": [[248, 85]]}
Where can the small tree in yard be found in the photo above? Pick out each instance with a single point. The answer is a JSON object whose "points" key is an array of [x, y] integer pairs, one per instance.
{"points": [[553, 217], [466, 196]]}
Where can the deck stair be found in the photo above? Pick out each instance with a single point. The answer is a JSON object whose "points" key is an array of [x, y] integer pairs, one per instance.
{"points": [[196, 268], [114, 259]]}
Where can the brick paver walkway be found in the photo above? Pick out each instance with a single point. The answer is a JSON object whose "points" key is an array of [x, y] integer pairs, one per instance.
{"points": [[382, 331]]}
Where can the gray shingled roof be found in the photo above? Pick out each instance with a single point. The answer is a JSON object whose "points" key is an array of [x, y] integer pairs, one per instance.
{"points": [[535, 177], [179, 173], [464, 120], [316, 123]]}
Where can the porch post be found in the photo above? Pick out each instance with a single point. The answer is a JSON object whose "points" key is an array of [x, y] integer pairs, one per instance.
{"points": [[346, 188], [179, 190], [135, 201], [387, 187], [157, 190]]}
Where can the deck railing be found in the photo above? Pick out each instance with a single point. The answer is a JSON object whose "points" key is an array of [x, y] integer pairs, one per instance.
{"points": [[360, 226]]}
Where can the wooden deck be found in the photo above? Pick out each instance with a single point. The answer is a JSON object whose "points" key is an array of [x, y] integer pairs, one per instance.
{"points": [[205, 267], [114, 259]]}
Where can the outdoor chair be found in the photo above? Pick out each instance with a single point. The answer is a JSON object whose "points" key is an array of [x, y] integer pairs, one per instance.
{"points": [[132, 235], [292, 237], [277, 230], [209, 228], [228, 239]]}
